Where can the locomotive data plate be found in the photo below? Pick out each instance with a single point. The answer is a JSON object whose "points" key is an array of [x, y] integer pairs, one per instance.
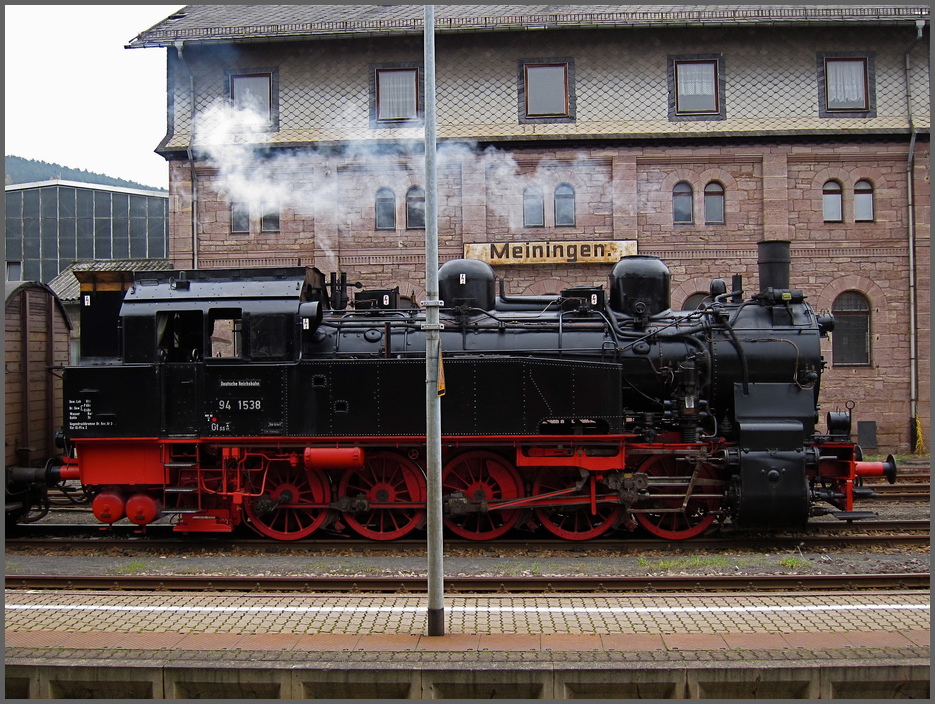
{"points": [[245, 400]]}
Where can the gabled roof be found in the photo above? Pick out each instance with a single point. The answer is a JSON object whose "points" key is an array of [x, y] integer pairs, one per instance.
{"points": [[66, 285], [228, 23]]}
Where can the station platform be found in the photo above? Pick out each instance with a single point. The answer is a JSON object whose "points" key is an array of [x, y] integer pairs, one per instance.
{"points": [[153, 645]]}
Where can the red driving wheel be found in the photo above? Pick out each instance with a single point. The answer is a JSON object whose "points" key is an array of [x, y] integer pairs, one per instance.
{"points": [[296, 506], [677, 519], [578, 521], [482, 478], [386, 478]]}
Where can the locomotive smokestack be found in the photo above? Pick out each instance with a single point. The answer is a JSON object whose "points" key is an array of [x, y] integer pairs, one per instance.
{"points": [[773, 260]]}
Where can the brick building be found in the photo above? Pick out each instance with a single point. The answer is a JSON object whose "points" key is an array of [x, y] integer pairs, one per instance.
{"points": [[686, 132]]}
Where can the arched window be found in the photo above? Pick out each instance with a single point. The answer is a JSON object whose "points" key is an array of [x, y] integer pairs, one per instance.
{"points": [[415, 208], [682, 204], [385, 208], [714, 203], [564, 205], [863, 201], [533, 207], [831, 204], [850, 341]]}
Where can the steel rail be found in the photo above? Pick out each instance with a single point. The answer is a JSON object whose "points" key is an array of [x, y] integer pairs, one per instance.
{"points": [[476, 585], [886, 533]]}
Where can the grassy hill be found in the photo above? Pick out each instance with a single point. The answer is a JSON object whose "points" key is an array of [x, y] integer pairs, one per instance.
{"points": [[20, 170]]}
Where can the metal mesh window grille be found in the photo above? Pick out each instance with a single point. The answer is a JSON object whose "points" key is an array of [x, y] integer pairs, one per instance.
{"points": [[850, 341]]}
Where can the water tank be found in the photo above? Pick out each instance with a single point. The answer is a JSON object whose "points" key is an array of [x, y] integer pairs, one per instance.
{"points": [[467, 282], [639, 286]]}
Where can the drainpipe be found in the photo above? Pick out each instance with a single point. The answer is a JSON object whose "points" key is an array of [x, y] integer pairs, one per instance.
{"points": [[191, 159], [910, 214]]}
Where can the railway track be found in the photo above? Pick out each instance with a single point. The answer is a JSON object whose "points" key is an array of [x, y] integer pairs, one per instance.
{"points": [[909, 491], [477, 585], [863, 533]]}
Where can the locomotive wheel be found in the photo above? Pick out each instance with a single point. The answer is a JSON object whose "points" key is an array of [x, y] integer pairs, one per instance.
{"points": [[482, 477], [298, 495], [677, 524], [384, 479], [576, 521]]}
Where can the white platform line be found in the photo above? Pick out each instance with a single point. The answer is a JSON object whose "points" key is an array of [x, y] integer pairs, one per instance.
{"points": [[472, 609]]}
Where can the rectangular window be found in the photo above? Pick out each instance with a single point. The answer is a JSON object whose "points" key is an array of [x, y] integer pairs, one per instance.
{"points": [[225, 325], [546, 89], [14, 271], [851, 340], [240, 218], [863, 206], [846, 84], [269, 218], [397, 94], [253, 92], [269, 337], [696, 86]]}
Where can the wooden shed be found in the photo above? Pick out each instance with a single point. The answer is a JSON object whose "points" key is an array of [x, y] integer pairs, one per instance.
{"points": [[37, 341]]}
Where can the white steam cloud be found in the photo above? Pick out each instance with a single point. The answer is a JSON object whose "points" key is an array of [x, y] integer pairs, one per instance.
{"points": [[233, 140]]}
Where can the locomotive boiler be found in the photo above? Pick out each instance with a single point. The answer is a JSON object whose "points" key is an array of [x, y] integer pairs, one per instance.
{"points": [[265, 397]]}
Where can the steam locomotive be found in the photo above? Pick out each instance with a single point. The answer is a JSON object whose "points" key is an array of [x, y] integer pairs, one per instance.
{"points": [[268, 398]]}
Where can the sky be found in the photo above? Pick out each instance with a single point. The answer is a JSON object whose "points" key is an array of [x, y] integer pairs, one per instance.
{"points": [[76, 97]]}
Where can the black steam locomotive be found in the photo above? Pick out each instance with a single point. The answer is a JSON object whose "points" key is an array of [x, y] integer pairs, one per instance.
{"points": [[266, 397]]}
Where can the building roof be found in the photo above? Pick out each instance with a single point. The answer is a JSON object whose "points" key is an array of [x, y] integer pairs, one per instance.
{"points": [[227, 23], [83, 184], [66, 285]]}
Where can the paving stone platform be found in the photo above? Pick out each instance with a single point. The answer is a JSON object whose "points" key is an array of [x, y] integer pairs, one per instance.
{"points": [[158, 645]]}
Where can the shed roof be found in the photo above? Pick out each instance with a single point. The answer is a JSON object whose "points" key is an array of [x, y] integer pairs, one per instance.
{"points": [[66, 284], [227, 23], [85, 184], [11, 288]]}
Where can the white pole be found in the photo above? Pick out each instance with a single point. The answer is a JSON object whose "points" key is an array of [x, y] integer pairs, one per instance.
{"points": [[433, 416]]}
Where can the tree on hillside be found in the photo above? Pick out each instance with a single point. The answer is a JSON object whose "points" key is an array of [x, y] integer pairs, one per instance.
{"points": [[20, 170]]}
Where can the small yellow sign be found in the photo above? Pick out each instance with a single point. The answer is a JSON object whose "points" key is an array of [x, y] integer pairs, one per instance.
{"points": [[441, 371], [579, 252]]}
